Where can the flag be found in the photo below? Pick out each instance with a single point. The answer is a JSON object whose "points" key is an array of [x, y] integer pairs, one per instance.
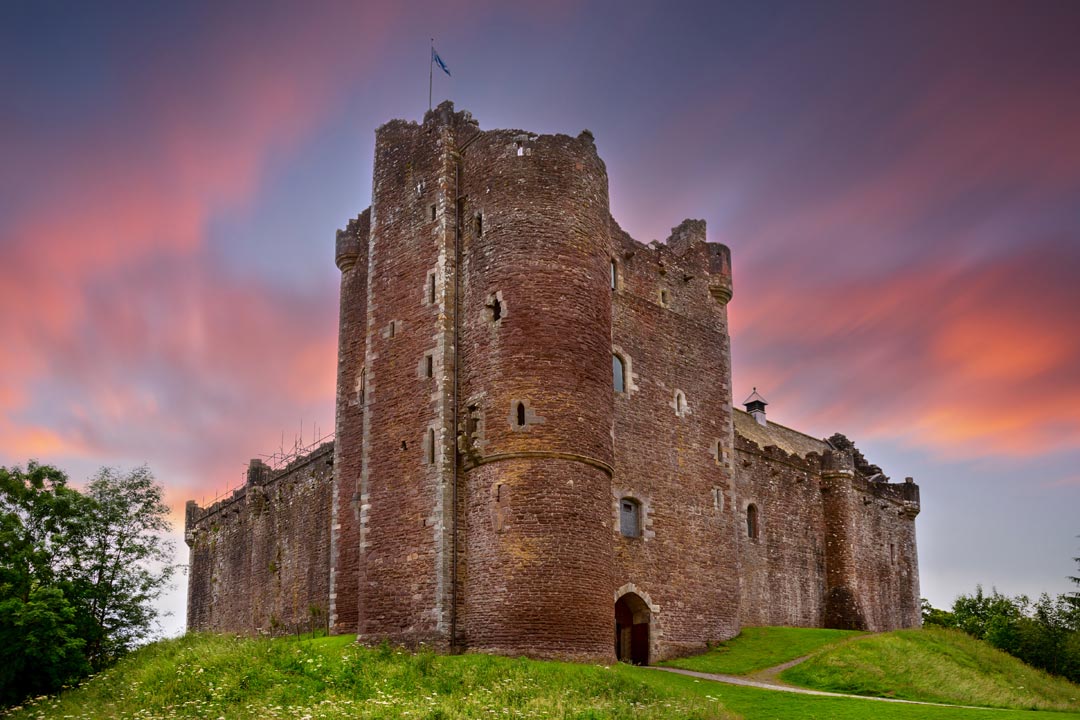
{"points": [[435, 58]]}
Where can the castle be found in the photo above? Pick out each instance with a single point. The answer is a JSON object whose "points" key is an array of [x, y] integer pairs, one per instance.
{"points": [[536, 451]]}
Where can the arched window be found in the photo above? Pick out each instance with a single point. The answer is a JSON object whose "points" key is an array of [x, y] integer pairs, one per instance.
{"points": [[751, 521], [520, 414], [618, 373], [614, 274], [680, 403], [629, 517]]}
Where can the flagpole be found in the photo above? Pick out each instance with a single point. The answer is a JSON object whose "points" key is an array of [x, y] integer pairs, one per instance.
{"points": [[431, 62]]}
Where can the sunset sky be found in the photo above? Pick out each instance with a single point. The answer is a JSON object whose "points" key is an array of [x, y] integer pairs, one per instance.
{"points": [[899, 185]]}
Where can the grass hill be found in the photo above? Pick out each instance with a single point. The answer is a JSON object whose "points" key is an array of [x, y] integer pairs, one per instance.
{"points": [[201, 676], [934, 664]]}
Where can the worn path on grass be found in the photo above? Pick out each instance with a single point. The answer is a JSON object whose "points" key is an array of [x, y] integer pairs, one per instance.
{"points": [[767, 679]]}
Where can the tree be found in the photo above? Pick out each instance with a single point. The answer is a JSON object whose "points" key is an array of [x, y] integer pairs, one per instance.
{"points": [[79, 572], [40, 529], [125, 562]]}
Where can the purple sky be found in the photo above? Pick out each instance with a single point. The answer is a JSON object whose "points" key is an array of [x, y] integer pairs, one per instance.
{"points": [[899, 185]]}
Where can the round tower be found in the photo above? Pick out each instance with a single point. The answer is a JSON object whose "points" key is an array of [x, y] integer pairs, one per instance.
{"points": [[536, 396], [843, 609]]}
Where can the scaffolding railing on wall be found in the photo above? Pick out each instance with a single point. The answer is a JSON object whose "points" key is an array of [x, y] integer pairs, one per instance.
{"points": [[277, 460]]}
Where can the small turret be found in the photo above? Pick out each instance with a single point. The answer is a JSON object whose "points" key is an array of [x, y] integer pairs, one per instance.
{"points": [[755, 405]]}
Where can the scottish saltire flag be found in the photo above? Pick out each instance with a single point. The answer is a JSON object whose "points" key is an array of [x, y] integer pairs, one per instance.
{"points": [[435, 57]]}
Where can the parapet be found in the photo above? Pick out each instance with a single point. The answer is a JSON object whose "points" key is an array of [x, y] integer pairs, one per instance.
{"points": [[444, 114]]}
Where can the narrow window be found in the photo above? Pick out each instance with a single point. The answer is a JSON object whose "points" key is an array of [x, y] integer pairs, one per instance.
{"points": [[429, 366], [431, 288], [664, 298], [431, 446], [433, 206], [496, 309], [892, 553], [618, 373], [751, 522], [521, 414], [479, 224], [614, 274], [474, 420], [393, 328], [520, 148], [680, 403], [404, 445], [629, 517]]}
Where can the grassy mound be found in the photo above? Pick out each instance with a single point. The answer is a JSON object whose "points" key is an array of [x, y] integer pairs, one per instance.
{"points": [[757, 648], [201, 676], [934, 665]]}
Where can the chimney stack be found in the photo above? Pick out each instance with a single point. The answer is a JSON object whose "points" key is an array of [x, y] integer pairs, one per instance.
{"points": [[755, 405]]}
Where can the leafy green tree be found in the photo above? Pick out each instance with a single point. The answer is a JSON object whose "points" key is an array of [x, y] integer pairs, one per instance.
{"points": [[125, 562], [41, 530], [934, 616], [979, 614], [79, 572]]}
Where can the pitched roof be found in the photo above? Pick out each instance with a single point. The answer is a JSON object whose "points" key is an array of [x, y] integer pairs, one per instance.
{"points": [[790, 441], [755, 397]]}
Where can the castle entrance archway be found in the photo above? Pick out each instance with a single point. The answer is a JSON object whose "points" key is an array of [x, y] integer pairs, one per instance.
{"points": [[632, 629]]}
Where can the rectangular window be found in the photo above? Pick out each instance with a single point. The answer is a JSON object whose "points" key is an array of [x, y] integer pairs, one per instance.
{"points": [[629, 518], [431, 288], [618, 375], [429, 366], [433, 208]]}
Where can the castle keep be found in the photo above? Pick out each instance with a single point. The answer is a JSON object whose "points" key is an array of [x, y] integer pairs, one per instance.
{"points": [[536, 451]]}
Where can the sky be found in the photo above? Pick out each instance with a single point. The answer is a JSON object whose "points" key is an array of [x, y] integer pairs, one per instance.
{"points": [[899, 184]]}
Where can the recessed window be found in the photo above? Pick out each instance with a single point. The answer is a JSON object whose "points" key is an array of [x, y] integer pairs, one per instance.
{"points": [[664, 297], [431, 446], [431, 288], [478, 224], [614, 274], [496, 309], [680, 403], [520, 414], [474, 420], [432, 209], [520, 148], [429, 365], [751, 521], [393, 328], [618, 373], [629, 517]]}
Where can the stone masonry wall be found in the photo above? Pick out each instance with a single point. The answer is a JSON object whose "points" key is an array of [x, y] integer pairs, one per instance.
{"points": [[783, 568], [260, 558], [535, 340], [672, 440], [351, 255]]}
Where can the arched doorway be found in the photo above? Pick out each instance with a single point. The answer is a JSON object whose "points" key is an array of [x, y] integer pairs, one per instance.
{"points": [[632, 629]]}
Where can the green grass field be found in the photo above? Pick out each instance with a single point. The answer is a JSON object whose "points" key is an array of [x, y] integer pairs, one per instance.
{"points": [[757, 648], [203, 676], [937, 665]]}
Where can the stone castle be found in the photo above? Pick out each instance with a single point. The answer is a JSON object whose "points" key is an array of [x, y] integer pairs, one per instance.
{"points": [[536, 451]]}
